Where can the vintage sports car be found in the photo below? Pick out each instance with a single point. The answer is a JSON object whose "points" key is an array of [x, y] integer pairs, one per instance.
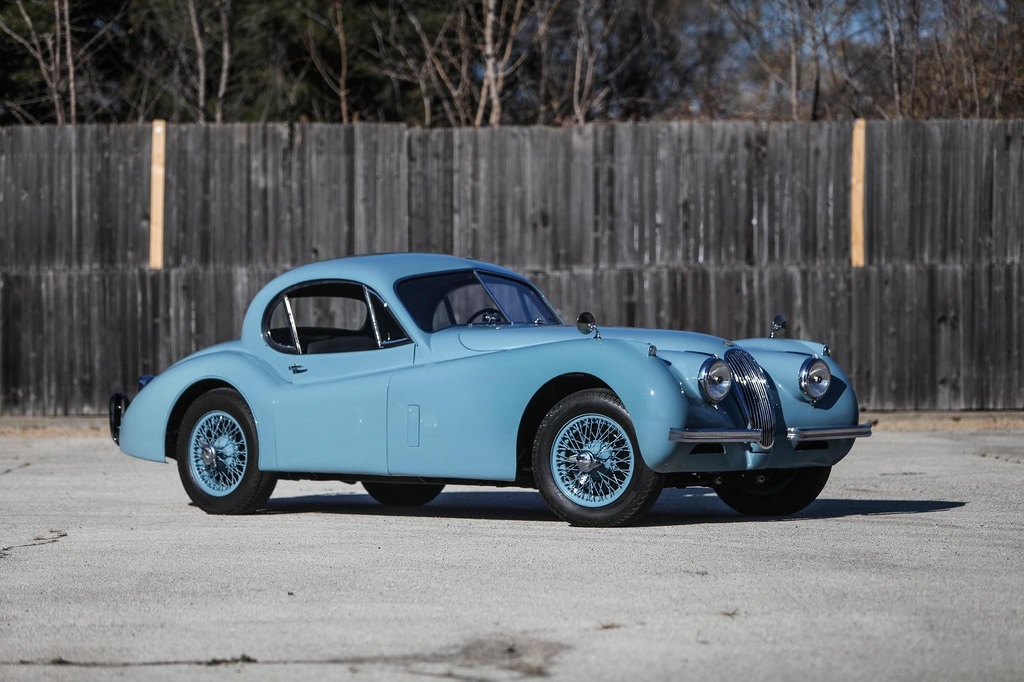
{"points": [[407, 372]]}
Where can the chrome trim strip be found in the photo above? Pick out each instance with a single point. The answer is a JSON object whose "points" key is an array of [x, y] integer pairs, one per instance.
{"points": [[373, 315], [291, 324], [714, 435], [802, 433]]}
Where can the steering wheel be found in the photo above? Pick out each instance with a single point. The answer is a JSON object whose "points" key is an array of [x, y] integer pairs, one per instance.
{"points": [[485, 311]]}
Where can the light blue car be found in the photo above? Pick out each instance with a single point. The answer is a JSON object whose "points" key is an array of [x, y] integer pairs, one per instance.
{"points": [[407, 372]]}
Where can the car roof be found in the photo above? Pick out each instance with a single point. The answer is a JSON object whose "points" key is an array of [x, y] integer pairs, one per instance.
{"points": [[380, 272]]}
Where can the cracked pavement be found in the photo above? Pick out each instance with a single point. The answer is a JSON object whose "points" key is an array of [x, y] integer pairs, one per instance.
{"points": [[908, 567]]}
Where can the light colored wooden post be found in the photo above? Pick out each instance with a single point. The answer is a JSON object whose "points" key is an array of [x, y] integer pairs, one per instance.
{"points": [[857, 195], [156, 195]]}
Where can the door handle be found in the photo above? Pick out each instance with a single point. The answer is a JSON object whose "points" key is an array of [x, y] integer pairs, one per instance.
{"points": [[297, 369]]}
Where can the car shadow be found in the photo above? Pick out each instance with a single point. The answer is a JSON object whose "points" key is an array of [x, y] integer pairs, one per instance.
{"points": [[512, 505], [674, 507], [701, 505]]}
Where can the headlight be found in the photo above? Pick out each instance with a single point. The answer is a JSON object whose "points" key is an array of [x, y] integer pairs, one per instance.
{"points": [[815, 378], [715, 380]]}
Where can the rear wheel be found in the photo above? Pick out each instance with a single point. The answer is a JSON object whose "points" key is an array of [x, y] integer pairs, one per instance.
{"points": [[218, 454], [403, 494], [773, 492], [587, 464]]}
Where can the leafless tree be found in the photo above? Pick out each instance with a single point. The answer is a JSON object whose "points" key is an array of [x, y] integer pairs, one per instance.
{"points": [[197, 37], [336, 78], [477, 36], [501, 27], [224, 10], [52, 52]]}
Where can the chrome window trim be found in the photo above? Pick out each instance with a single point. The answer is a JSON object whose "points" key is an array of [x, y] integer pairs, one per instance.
{"points": [[285, 297], [373, 315], [291, 323]]}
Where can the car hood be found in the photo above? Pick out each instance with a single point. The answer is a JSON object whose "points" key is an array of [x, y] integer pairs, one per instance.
{"points": [[488, 339]]}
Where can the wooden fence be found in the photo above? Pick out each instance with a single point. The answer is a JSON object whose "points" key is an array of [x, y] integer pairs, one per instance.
{"points": [[706, 226]]}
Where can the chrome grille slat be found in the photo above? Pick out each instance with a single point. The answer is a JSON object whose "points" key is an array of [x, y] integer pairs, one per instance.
{"points": [[754, 395]]}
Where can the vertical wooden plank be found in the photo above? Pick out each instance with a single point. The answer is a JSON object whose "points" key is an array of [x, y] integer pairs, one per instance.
{"points": [[604, 195], [156, 194], [8, 222], [471, 171], [1015, 344], [13, 365], [579, 245], [857, 194], [546, 206], [5, 314], [431, 190]]}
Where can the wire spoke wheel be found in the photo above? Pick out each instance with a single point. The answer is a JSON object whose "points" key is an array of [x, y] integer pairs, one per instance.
{"points": [[593, 460], [218, 453], [587, 465]]}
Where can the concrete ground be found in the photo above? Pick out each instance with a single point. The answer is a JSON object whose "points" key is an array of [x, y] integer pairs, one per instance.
{"points": [[909, 567]]}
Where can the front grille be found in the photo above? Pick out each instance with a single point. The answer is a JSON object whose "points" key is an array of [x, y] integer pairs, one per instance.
{"points": [[753, 395]]}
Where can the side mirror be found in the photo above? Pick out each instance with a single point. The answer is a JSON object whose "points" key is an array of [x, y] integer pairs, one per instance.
{"points": [[778, 324], [586, 323]]}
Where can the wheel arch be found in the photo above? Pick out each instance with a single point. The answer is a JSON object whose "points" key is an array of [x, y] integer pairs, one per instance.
{"points": [[188, 396], [541, 403]]}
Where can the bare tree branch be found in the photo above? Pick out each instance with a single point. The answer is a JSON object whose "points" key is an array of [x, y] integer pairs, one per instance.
{"points": [[225, 57], [197, 37]]}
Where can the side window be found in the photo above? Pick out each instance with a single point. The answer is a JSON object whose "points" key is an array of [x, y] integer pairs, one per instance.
{"points": [[391, 333], [326, 317]]}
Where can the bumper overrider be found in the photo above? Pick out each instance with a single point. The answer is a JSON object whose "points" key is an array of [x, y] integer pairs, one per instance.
{"points": [[118, 404]]}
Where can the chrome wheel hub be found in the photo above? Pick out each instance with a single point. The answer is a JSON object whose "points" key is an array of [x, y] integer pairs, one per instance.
{"points": [[584, 461], [208, 453]]}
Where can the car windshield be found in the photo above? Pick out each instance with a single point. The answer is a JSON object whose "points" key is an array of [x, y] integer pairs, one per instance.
{"points": [[463, 298]]}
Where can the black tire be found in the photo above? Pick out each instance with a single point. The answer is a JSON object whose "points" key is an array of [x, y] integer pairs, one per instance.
{"points": [[610, 487], [773, 492], [218, 455], [403, 494]]}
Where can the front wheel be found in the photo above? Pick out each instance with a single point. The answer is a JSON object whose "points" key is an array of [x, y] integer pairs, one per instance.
{"points": [[587, 464], [218, 454], [774, 492], [403, 494]]}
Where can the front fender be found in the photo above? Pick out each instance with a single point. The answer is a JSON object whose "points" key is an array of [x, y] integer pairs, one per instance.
{"points": [[647, 387], [145, 425], [645, 383]]}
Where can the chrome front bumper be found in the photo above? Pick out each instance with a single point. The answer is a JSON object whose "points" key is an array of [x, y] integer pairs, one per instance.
{"points": [[714, 435], [803, 433], [796, 434]]}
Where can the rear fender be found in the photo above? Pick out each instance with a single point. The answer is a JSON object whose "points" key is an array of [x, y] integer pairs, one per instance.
{"points": [[148, 420]]}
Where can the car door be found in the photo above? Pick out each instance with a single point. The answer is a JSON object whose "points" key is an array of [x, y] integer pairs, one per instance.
{"points": [[336, 346]]}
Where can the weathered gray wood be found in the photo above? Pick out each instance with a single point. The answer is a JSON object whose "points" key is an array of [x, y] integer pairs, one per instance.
{"points": [[707, 226]]}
